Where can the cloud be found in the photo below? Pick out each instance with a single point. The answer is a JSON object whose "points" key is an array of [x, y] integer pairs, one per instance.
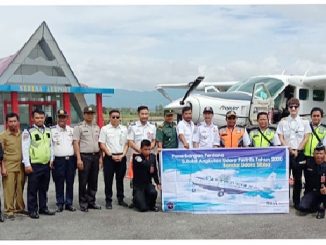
{"points": [[136, 47]]}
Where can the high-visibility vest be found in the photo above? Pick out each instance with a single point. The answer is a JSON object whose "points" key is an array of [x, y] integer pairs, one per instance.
{"points": [[231, 137], [258, 140], [40, 148], [313, 141]]}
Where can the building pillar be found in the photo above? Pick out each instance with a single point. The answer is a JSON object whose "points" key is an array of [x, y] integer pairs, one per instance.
{"points": [[14, 102], [99, 110], [66, 106]]}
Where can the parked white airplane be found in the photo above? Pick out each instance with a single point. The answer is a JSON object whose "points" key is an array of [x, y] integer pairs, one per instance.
{"points": [[247, 98], [229, 185]]}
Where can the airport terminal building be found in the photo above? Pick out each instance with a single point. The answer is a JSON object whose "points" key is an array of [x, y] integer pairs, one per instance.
{"points": [[39, 76]]}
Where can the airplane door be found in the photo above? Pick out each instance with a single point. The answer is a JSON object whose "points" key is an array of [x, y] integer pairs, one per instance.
{"points": [[261, 100]]}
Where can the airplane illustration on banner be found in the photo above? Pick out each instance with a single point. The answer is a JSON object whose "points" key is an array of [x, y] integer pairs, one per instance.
{"points": [[225, 184]]}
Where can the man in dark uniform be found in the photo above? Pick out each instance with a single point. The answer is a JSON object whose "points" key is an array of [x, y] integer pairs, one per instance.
{"points": [[314, 198], [144, 169], [1, 158], [86, 146], [166, 135]]}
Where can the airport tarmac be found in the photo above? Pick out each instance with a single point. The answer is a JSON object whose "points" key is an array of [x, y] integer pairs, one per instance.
{"points": [[126, 224]]}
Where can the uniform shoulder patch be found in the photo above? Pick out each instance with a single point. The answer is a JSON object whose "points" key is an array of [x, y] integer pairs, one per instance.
{"points": [[272, 128], [240, 126], [252, 129]]}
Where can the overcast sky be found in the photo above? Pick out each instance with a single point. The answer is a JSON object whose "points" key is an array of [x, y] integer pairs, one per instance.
{"points": [[137, 47]]}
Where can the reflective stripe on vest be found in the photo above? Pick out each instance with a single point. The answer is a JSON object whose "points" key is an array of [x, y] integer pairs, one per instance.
{"points": [[40, 148], [258, 140], [313, 141], [231, 138]]}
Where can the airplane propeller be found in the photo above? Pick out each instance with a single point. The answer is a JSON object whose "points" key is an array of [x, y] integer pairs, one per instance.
{"points": [[193, 86]]}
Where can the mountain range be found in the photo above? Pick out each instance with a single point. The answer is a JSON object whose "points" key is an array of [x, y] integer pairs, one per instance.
{"points": [[123, 98]]}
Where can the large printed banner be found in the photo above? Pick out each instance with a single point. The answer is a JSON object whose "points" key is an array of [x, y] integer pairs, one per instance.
{"points": [[226, 181]]}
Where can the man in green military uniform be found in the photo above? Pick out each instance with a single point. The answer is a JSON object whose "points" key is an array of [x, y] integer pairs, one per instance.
{"points": [[166, 135], [263, 135], [318, 136], [37, 155]]}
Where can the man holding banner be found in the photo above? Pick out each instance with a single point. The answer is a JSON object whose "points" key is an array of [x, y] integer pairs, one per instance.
{"points": [[186, 129], [233, 135], [263, 135]]}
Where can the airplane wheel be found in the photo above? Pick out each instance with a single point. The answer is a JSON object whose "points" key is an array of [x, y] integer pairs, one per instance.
{"points": [[193, 190], [220, 193]]}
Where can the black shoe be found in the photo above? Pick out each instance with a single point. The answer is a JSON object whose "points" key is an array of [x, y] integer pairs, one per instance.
{"points": [[70, 208], [47, 212], [108, 205], [59, 209], [83, 209], [131, 205], [123, 203], [34, 215], [296, 206], [2, 219], [320, 214], [94, 206], [154, 209]]}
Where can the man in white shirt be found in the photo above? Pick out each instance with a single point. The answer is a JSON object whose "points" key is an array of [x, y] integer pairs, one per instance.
{"points": [[186, 129], [294, 132], [113, 142], [64, 164], [207, 135]]}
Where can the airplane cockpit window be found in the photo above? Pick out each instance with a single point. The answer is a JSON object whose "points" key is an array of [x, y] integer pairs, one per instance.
{"points": [[273, 85]]}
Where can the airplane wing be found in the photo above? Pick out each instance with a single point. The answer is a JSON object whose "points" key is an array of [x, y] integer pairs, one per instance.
{"points": [[315, 81], [201, 87]]}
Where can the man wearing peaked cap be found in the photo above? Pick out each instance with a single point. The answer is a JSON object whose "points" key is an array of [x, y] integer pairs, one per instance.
{"points": [[233, 135], [206, 135], [89, 159], [166, 135]]}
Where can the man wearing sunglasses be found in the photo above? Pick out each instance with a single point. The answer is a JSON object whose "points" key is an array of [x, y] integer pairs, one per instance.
{"points": [[233, 135], [114, 143], [64, 164], [294, 132]]}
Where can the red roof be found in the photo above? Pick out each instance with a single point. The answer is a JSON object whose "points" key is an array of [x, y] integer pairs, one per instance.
{"points": [[5, 62]]}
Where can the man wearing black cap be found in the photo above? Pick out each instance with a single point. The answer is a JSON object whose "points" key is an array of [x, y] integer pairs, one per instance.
{"points": [[314, 198], [166, 135], [207, 135], [64, 164], [86, 146]]}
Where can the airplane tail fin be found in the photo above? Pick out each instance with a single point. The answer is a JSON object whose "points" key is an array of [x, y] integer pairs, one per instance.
{"points": [[270, 181]]}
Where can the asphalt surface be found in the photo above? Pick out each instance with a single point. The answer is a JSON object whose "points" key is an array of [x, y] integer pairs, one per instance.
{"points": [[124, 223]]}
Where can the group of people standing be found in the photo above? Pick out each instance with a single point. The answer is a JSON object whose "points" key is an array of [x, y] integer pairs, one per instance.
{"points": [[62, 149]]}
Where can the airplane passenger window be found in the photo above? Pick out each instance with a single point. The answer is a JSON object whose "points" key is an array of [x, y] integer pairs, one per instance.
{"points": [[318, 95], [303, 94]]}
